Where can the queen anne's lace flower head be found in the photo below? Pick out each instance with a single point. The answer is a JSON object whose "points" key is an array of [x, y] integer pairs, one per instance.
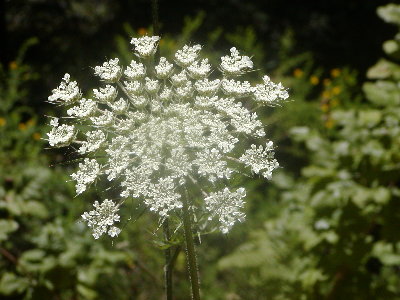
{"points": [[156, 128], [227, 206], [102, 219]]}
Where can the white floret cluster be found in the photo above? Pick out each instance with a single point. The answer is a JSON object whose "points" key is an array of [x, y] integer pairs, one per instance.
{"points": [[102, 218], [156, 128]]}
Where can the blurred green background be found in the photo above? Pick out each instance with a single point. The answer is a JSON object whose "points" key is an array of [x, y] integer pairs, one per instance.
{"points": [[326, 226]]}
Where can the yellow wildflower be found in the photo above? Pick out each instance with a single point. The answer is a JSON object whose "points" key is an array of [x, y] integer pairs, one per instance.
{"points": [[335, 72], [13, 65], [142, 31], [2, 121], [36, 136], [30, 122], [329, 123], [314, 80], [334, 102], [336, 90], [22, 126], [298, 73], [326, 94], [327, 82], [325, 107]]}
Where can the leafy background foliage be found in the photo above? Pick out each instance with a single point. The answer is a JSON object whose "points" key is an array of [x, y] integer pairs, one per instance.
{"points": [[326, 227]]}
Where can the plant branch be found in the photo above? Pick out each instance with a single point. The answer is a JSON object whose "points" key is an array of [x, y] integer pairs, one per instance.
{"points": [[168, 266], [190, 251]]}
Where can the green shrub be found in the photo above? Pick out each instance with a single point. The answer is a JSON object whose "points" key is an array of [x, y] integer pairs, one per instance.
{"points": [[335, 235]]}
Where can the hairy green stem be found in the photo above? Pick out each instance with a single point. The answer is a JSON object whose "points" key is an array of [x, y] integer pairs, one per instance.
{"points": [[168, 265], [190, 251]]}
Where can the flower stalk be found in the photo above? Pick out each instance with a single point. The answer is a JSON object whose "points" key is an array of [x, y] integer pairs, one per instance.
{"points": [[168, 267], [190, 251]]}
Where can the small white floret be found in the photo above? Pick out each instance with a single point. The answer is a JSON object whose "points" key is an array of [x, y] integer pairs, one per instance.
{"points": [[102, 219], [67, 92], [145, 46], [187, 55], [110, 71], [227, 206], [235, 64], [61, 135]]}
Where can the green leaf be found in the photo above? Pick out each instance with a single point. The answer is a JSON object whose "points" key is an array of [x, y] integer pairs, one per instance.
{"points": [[384, 69], [11, 284], [386, 254], [6, 227], [36, 260], [32, 255], [381, 195], [311, 276], [86, 292], [369, 118], [390, 13], [383, 93], [35, 208], [392, 48]]}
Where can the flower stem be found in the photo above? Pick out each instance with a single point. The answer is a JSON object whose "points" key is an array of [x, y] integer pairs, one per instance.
{"points": [[168, 265], [154, 13], [190, 251]]}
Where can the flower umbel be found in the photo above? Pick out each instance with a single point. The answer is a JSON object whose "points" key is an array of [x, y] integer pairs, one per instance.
{"points": [[102, 219], [155, 128]]}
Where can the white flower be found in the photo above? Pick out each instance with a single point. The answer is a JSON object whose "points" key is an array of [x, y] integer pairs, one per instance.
{"points": [[139, 101], [61, 136], [184, 91], [171, 126], [207, 87], [88, 172], [118, 157], [235, 64], [136, 182], [120, 106], [235, 88], [94, 141], [206, 102], [187, 55], [179, 79], [166, 94], [104, 119], [68, 91], [270, 93], [260, 159], [164, 68], [162, 197], [227, 206], [134, 88], [152, 86], [135, 71], [86, 108], [110, 71], [199, 70], [102, 219], [145, 46], [106, 94], [211, 164]]}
